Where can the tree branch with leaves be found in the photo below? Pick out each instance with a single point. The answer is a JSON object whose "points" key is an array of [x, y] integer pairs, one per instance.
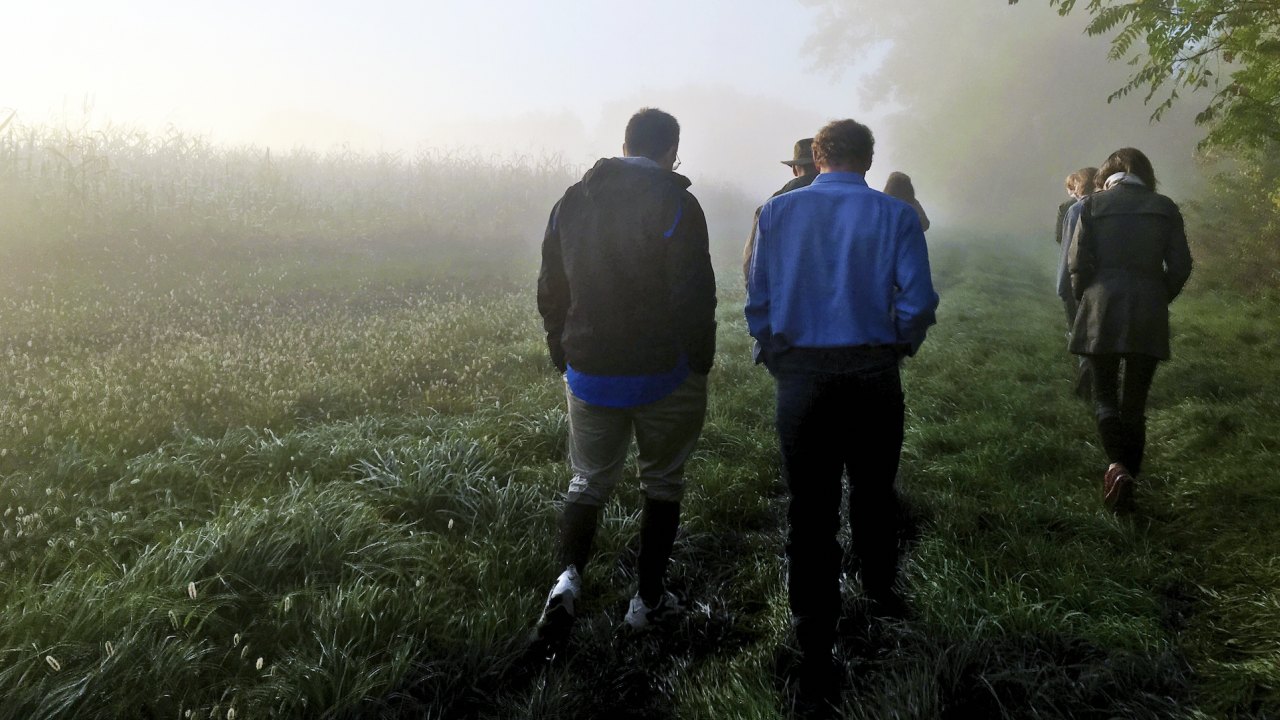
{"points": [[1228, 47]]}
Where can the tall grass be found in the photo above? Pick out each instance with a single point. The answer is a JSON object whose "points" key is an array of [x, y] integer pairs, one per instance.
{"points": [[313, 471], [367, 505], [77, 177]]}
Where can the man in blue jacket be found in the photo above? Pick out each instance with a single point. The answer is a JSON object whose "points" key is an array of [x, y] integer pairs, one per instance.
{"points": [[839, 291]]}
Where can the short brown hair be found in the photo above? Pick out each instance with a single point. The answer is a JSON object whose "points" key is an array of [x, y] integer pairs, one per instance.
{"points": [[1087, 179], [1073, 182], [843, 142], [1132, 161]]}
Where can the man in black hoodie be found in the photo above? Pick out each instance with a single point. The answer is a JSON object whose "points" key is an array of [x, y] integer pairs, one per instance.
{"points": [[627, 297]]}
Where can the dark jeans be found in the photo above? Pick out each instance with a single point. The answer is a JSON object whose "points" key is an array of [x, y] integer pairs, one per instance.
{"points": [[830, 422], [1121, 405]]}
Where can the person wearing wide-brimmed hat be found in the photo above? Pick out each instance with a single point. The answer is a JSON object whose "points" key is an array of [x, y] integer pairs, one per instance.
{"points": [[804, 170]]}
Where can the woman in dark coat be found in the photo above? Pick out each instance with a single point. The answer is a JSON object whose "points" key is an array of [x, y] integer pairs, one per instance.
{"points": [[1128, 260]]}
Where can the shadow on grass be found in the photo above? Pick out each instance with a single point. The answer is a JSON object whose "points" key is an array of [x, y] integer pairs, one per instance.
{"points": [[900, 670], [892, 669], [606, 671]]}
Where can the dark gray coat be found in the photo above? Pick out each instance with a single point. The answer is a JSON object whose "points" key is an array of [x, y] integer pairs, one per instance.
{"points": [[1128, 260]]}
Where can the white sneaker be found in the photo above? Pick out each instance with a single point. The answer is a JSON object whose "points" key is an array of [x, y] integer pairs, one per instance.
{"points": [[640, 616], [558, 614]]}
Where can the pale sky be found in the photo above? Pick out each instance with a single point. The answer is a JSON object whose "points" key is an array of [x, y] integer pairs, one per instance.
{"points": [[555, 76]]}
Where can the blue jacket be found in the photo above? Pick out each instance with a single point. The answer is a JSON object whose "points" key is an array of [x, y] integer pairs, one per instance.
{"points": [[1069, 222], [838, 264]]}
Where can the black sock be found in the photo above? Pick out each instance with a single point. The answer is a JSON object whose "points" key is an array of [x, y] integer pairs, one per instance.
{"points": [[1135, 436], [577, 531], [658, 524], [1113, 439]]}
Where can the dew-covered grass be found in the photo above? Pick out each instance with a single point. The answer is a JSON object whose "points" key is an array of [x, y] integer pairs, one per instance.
{"points": [[305, 479]]}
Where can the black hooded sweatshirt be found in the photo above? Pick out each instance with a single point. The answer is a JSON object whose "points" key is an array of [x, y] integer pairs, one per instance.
{"points": [[626, 285]]}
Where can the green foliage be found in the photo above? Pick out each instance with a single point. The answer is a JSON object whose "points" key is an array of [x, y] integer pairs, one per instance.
{"points": [[1234, 223], [1231, 47]]}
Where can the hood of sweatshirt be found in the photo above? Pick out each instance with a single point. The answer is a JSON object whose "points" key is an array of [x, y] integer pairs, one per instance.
{"points": [[612, 173]]}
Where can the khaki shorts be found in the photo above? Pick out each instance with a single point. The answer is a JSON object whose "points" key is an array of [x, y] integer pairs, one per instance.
{"points": [[666, 432]]}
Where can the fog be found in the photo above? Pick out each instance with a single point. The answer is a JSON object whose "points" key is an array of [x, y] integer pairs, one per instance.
{"points": [[987, 106], [999, 103]]}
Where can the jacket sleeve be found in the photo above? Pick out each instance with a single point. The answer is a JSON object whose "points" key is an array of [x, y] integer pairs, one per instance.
{"points": [[1057, 228], [692, 283], [751, 244], [916, 302], [553, 291], [1083, 253], [1068, 233], [1177, 258], [757, 307]]}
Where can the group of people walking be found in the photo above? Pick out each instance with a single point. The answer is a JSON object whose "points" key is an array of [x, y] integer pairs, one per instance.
{"points": [[839, 291]]}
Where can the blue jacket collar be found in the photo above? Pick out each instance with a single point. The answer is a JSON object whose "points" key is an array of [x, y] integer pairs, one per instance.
{"points": [[841, 177]]}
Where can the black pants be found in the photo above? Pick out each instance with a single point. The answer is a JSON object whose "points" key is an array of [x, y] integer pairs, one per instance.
{"points": [[829, 423], [1121, 405]]}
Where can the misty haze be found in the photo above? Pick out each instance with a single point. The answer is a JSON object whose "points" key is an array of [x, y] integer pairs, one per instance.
{"points": [[946, 333]]}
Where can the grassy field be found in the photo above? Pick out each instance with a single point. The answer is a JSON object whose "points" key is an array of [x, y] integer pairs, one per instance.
{"points": [[301, 480]]}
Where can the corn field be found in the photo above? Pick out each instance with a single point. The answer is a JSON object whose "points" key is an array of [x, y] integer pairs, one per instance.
{"points": [[72, 179]]}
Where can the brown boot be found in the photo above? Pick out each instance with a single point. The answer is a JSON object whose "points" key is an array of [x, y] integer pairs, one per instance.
{"points": [[1117, 489]]}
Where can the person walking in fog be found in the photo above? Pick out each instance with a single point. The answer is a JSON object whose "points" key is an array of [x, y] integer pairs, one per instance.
{"points": [[1073, 189], [839, 291], [899, 186], [1128, 260], [1083, 183], [628, 298], [804, 171]]}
